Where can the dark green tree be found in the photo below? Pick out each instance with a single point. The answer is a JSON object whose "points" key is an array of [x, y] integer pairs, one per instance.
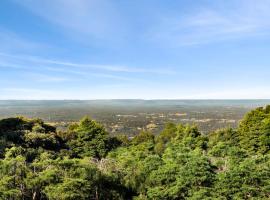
{"points": [[90, 139]]}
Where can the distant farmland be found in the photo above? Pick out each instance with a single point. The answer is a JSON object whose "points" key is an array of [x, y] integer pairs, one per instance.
{"points": [[131, 116]]}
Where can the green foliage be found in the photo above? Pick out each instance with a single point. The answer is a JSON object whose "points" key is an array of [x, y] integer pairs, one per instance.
{"points": [[90, 139], [143, 136], [28, 133], [165, 137], [183, 174], [191, 137], [84, 162], [227, 135], [248, 179], [168, 133], [254, 131], [46, 141], [133, 163]]}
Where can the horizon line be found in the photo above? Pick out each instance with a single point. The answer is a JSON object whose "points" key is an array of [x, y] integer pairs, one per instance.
{"points": [[139, 99]]}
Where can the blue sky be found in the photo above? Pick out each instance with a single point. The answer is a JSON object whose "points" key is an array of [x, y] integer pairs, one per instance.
{"points": [[115, 49]]}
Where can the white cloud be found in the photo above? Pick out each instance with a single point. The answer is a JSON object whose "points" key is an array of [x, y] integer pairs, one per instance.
{"points": [[38, 77], [240, 20], [94, 18], [82, 66]]}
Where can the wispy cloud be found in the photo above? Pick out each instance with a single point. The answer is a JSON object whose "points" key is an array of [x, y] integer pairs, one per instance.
{"points": [[79, 18], [83, 66], [27, 72], [38, 77], [244, 18], [10, 41], [41, 70]]}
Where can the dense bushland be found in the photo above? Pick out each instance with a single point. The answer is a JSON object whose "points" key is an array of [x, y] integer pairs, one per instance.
{"points": [[37, 162]]}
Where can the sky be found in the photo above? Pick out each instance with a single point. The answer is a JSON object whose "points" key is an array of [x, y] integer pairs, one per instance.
{"points": [[125, 49]]}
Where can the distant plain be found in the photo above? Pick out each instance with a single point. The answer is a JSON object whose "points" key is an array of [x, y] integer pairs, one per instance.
{"points": [[132, 116]]}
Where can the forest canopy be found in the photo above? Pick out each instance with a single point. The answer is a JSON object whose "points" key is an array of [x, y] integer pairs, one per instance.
{"points": [[38, 162]]}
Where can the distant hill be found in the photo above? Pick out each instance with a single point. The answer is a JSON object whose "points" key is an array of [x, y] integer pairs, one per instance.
{"points": [[136, 102]]}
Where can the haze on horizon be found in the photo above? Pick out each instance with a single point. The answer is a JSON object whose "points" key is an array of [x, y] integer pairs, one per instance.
{"points": [[108, 49]]}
